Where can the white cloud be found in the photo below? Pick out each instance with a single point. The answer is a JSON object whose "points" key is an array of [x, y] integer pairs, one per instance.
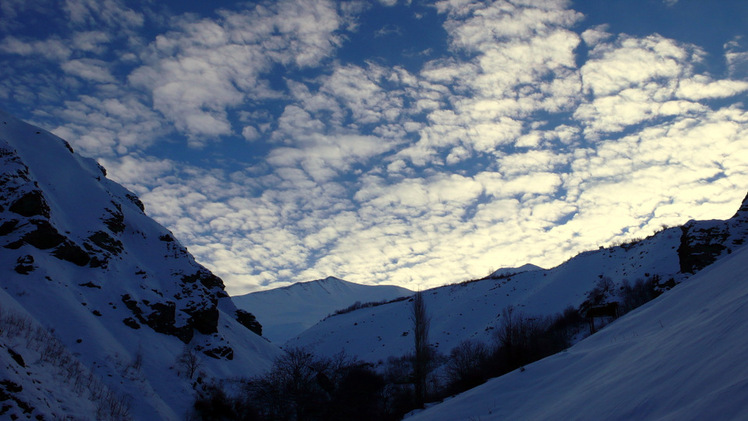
{"points": [[51, 49], [104, 127], [91, 41], [633, 63], [594, 35], [89, 69], [533, 161], [513, 148], [524, 64], [479, 27], [109, 12], [199, 71], [632, 80], [136, 172], [250, 133], [325, 157], [736, 55]]}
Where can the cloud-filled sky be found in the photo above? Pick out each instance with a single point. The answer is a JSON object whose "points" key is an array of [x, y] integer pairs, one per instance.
{"points": [[395, 141]]}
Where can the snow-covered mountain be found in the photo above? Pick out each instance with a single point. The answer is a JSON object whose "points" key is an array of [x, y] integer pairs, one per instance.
{"points": [[288, 311], [513, 271], [681, 356], [472, 310], [99, 297]]}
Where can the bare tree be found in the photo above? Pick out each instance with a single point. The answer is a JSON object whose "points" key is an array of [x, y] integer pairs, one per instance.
{"points": [[422, 354], [466, 365], [189, 361]]}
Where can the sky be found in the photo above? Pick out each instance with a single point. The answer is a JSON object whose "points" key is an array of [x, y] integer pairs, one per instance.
{"points": [[403, 142]]}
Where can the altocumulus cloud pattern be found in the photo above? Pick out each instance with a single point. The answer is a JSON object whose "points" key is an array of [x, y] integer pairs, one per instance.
{"points": [[403, 142]]}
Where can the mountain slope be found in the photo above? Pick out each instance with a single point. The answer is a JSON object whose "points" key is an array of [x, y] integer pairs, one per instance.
{"points": [[286, 312], [80, 257], [471, 310], [680, 356]]}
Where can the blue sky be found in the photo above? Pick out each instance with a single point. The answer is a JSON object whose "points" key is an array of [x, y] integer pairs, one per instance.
{"points": [[400, 142]]}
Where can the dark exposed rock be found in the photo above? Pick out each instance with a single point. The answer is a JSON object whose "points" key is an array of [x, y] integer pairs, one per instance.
{"points": [[90, 284], [8, 226], [67, 145], [132, 305], [14, 245], [205, 277], [700, 247], [8, 389], [204, 319], [134, 199], [10, 386], [220, 353], [71, 252], [162, 318], [106, 242], [249, 321], [31, 204], [116, 220], [17, 357], [44, 236], [130, 322], [97, 263], [742, 212], [166, 237], [25, 264]]}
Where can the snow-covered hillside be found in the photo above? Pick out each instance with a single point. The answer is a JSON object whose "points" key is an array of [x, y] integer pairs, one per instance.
{"points": [[471, 310], [286, 312], [80, 258], [679, 357], [529, 267]]}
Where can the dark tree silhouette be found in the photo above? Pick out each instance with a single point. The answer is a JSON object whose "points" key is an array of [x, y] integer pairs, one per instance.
{"points": [[422, 354]]}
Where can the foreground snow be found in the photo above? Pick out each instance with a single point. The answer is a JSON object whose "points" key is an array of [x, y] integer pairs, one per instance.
{"points": [[682, 356]]}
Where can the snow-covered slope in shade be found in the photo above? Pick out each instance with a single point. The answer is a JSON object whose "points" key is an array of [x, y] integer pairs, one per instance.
{"points": [[679, 357], [472, 310], [78, 256], [286, 312]]}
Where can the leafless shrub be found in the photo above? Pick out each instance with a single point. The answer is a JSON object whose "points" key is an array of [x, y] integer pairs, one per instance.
{"points": [[465, 365], [188, 362], [110, 404]]}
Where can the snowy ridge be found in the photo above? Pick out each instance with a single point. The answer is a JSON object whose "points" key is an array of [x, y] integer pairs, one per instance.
{"points": [[80, 256], [678, 357], [471, 310], [286, 312], [513, 271]]}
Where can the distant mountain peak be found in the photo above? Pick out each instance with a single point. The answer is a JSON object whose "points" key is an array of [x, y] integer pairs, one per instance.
{"points": [[742, 212], [528, 267], [285, 312]]}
